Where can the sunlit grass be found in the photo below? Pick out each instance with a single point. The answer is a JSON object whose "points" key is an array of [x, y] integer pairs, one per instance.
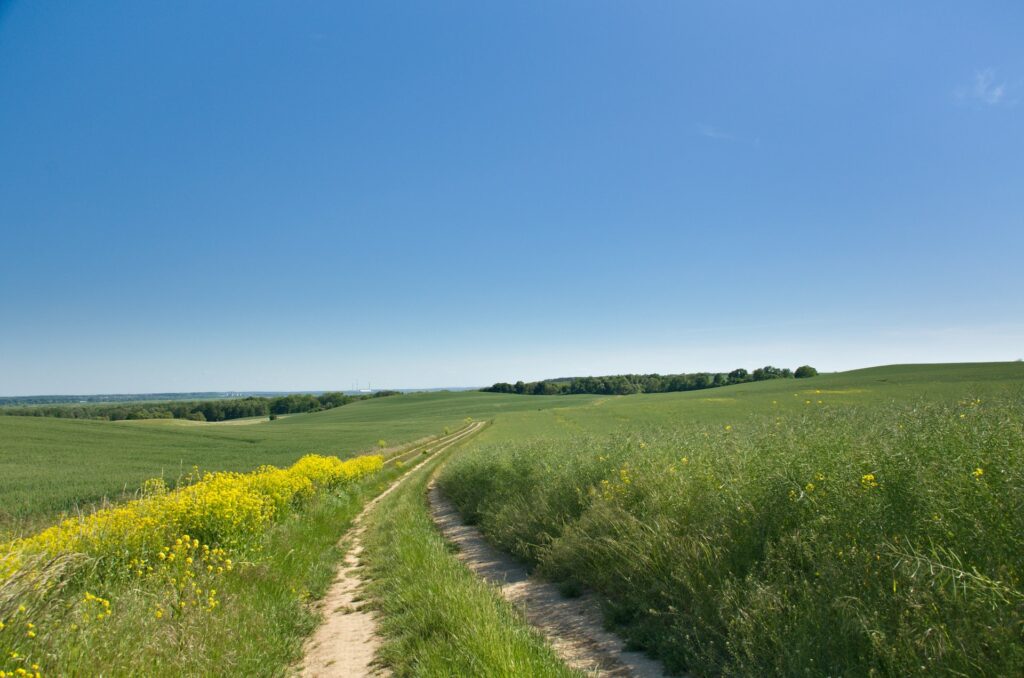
{"points": [[821, 540], [228, 607], [437, 618]]}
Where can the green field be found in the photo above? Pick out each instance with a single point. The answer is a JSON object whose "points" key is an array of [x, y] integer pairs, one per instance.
{"points": [[870, 522], [867, 521], [872, 387], [49, 466]]}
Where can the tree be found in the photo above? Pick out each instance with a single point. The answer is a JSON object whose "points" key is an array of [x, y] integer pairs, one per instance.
{"points": [[738, 376], [805, 371], [765, 373]]}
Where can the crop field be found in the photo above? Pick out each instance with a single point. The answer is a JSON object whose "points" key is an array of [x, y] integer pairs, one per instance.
{"points": [[849, 524], [51, 466]]}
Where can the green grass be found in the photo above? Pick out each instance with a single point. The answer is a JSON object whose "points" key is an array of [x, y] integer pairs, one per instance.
{"points": [[49, 466], [872, 387], [438, 619], [726, 562], [747, 531], [257, 630]]}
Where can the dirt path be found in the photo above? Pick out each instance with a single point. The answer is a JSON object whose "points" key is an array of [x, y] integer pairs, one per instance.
{"points": [[345, 643], [573, 626]]}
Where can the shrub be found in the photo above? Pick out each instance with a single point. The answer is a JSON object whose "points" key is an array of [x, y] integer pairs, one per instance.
{"points": [[805, 371]]}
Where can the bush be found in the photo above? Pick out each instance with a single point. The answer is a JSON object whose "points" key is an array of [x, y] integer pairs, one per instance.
{"points": [[805, 371]]}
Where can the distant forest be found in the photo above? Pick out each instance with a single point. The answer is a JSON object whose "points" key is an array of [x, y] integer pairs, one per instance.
{"points": [[203, 410], [626, 384]]}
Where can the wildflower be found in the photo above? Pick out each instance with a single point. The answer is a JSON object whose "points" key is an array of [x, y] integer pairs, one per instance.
{"points": [[978, 473], [809, 487], [867, 481], [728, 427]]}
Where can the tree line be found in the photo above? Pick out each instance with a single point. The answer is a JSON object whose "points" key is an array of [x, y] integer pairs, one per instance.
{"points": [[626, 384], [203, 410]]}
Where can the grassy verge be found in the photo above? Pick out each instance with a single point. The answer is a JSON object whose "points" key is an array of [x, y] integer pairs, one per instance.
{"points": [[869, 541], [438, 618], [99, 623]]}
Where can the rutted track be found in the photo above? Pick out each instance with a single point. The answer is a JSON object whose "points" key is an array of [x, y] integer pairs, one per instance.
{"points": [[345, 643], [573, 626]]}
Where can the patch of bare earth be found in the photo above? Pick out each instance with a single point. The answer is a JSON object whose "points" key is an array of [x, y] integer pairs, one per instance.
{"points": [[346, 642], [573, 626]]}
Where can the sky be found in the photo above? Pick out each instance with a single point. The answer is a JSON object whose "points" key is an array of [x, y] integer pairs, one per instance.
{"points": [[314, 195]]}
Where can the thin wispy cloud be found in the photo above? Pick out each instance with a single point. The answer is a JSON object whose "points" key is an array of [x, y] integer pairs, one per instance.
{"points": [[715, 133], [986, 89]]}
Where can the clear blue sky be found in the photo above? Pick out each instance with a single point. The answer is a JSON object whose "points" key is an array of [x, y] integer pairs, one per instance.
{"points": [[303, 195]]}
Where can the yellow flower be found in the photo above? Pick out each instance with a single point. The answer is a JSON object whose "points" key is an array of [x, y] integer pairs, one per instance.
{"points": [[867, 481], [978, 472]]}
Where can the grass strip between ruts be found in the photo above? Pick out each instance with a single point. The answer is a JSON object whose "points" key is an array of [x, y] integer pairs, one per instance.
{"points": [[437, 618]]}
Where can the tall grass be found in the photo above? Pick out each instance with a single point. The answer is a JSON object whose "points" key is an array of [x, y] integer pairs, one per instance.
{"points": [[100, 596], [438, 618], [827, 542]]}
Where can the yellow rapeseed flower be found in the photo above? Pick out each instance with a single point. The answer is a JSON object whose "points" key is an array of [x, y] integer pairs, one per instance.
{"points": [[867, 481], [231, 508]]}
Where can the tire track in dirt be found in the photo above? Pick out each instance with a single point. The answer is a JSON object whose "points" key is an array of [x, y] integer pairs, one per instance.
{"points": [[345, 643], [573, 626]]}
